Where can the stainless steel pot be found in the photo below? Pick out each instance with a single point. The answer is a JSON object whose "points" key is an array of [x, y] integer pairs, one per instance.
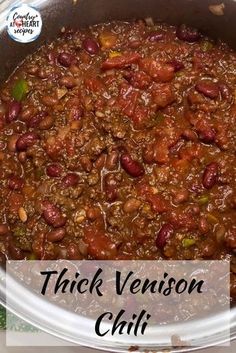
{"points": [[68, 13]]}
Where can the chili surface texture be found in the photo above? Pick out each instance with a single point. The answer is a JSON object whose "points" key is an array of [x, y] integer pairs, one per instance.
{"points": [[118, 142]]}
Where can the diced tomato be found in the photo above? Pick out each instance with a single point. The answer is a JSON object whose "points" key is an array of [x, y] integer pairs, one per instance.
{"points": [[162, 95], [140, 116], [15, 201], [100, 246], [127, 100], [159, 204], [159, 71], [140, 79], [94, 84], [191, 152], [119, 62], [183, 218]]}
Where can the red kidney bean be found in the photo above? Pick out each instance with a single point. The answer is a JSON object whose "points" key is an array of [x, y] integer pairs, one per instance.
{"points": [[210, 175], [163, 235], [3, 229], [132, 167], [14, 110], [46, 123], [66, 59], [208, 89], [91, 46], [111, 187], [86, 164], [187, 34], [15, 182], [71, 179], [155, 36], [67, 81], [56, 235], [177, 65], [53, 215], [36, 120], [54, 170], [26, 140], [207, 135], [189, 135]]}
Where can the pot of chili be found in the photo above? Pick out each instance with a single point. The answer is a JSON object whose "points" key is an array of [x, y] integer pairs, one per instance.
{"points": [[164, 163]]}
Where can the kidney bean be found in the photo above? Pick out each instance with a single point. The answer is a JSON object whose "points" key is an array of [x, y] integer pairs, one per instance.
{"points": [[155, 36], [208, 89], [189, 135], [91, 46], [67, 81], [177, 65], [15, 182], [131, 205], [99, 163], [26, 140], [36, 120], [53, 215], [71, 179], [56, 235], [132, 167], [203, 225], [14, 110], [187, 34], [86, 164], [207, 135], [28, 113], [210, 175], [111, 187], [54, 170], [49, 101], [46, 123], [163, 235], [3, 229], [66, 59]]}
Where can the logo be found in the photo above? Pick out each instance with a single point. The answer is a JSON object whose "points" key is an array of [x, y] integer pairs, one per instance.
{"points": [[24, 24]]}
